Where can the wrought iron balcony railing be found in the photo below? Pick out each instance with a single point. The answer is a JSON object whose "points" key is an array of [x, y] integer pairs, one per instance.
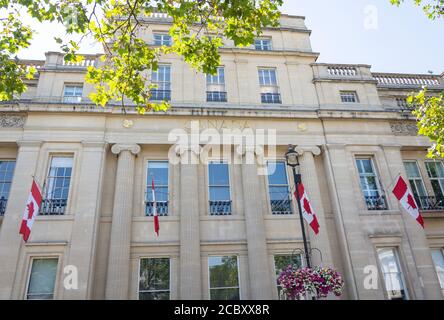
{"points": [[220, 208], [53, 207], [376, 203], [3, 206], [281, 207], [431, 203], [161, 207], [216, 96], [159, 95], [271, 98]]}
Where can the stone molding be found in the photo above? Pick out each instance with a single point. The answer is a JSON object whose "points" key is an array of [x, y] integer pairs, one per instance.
{"points": [[11, 120]]}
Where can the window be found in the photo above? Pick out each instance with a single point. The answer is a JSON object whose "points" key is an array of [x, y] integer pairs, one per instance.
{"points": [[73, 93], [157, 170], [161, 39], [391, 271], [219, 189], [269, 87], [224, 278], [349, 96], [278, 188], [6, 173], [416, 184], [281, 262], [438, 259], [154, 279], [42, 279], [216, 86], [161, 78], [370, 185], [262, 44], [56, 189], [435, 170]]}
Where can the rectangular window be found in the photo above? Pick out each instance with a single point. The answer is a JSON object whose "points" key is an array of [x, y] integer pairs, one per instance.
{"points": [[56, 190], [72, 93], [161, 78], [438, 259], [42, 279], [349, 97], [435, 170], [224, 278], [6, 173], [161, 39], [392, 273], [417, 184], [281, 262], [370, 185], [157, 170], [216, 86], [278, 188], [269, 86], [154, 279], [262, 44], [219, 189]]}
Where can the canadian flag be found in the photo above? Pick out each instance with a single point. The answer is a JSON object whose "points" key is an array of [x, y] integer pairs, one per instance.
{"points": [[156, 217], [405, 196], [307, 210], [31, 211]]}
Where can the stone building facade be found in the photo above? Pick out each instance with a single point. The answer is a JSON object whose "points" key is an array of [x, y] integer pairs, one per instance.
{"points": [[225, 229]]}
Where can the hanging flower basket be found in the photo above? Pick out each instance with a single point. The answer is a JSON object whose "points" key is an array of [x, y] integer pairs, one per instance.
{"points": [[319, 282]]}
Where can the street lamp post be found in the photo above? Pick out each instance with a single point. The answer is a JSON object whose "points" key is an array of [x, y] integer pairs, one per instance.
{"points": [[292, 159]]}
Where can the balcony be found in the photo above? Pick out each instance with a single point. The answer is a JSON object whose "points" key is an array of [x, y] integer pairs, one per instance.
{"points": [[427, 203], [220, 208], [56, 60], [342, 72], [160, 95], [53, 207], [271, 98], [281, 207], [3, 202], [375, 203], [161, 207], [216, 96]]}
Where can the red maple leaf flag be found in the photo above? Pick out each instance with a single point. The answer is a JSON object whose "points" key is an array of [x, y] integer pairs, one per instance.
{"points": [[405, 196], [31, 211], [307, 210], [156, 217]]}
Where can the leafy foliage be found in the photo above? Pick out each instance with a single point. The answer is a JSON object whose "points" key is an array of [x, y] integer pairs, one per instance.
{"points": [[197, 29], [432, 8], [430, 115]]}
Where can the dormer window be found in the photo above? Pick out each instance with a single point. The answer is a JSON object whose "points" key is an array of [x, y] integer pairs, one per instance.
{"points": [[263, 44]]}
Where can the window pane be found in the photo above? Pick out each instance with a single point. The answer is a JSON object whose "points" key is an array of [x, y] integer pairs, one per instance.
{"points": [[219, 193], [223, 272], [154, 276], [157, 295], [218, 174], [224, 294], [157, 170], [392, 273], [438, 259], [277, 173], [412, 169], [42, 279], [281, 262]]}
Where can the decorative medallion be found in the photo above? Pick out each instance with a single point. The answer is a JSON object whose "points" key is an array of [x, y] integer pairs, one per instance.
{"points": [[12, 120], [403, 128], [128, 123]]}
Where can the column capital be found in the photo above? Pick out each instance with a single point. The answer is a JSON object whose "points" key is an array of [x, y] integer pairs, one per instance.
{"points": [[182, 150], [118, 148], [315, 150]]}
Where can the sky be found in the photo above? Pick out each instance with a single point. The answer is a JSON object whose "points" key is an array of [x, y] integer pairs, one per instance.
{"points": [[389, 38]]}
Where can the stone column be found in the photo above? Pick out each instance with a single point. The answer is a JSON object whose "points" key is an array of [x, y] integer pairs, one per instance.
{"points": [[259, 270], [86, 218], [190, 260], [117, 281], [311, 183], [421, 267], [10, 240]]}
